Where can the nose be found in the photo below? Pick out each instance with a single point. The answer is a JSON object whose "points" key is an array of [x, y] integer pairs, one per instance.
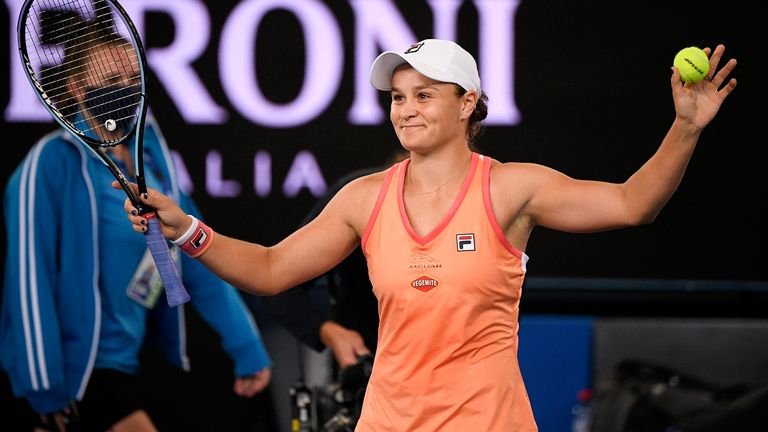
{"points": [[408, 108]]}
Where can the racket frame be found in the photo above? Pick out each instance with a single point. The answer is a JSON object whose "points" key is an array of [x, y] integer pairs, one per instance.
{"points": [[175, 290]]}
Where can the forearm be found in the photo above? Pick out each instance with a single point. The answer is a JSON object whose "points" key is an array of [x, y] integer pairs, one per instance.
{"points": [[649, 189], [247, 266], [267, 270]]}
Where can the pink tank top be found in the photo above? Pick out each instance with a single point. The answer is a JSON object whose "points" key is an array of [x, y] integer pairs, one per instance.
{"points": [[448, 307]]}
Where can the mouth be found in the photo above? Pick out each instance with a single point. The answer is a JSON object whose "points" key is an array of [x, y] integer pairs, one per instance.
{"points": [[407, 127]]}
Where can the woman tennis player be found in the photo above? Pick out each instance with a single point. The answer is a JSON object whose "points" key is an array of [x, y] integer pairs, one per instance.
{"points": [[444, 233]]}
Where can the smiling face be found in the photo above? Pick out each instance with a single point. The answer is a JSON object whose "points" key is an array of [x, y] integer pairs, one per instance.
{"points": [[428, 114]]}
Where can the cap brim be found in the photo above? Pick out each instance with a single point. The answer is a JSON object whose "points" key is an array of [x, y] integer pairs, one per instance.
{"points": [[382, 69]]}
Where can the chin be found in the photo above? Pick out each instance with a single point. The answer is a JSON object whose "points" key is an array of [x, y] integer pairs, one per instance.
{"points": [[410, 145], [410, 140]]}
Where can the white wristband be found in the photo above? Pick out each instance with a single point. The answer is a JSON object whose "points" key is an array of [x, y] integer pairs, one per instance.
{"points": [[184, 237]]}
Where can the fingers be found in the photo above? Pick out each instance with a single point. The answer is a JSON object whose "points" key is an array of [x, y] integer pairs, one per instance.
{"points": [[117, 185], [723, 73], [262, 379], [718, 77], [676, 82], [152, 198], [348, 353], [345, 358], [362, 350], [138, 222], [714, 60], [251, 385]]}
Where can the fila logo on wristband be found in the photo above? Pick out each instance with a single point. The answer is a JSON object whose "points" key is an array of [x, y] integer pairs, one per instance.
{"points": [[199, 238], [196, 240]]}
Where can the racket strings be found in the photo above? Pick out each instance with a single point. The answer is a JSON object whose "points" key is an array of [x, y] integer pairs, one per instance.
{"points": [[62, 68], [59, 21], [59, 84], [114, 66]]}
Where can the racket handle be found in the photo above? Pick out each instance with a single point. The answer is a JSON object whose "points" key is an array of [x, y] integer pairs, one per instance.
{"points": [[161, 254]]}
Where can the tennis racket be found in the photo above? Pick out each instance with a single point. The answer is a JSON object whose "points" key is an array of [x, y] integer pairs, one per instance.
{"points": [[86, 63]]}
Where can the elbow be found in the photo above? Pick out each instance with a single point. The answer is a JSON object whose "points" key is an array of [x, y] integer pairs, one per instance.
{"points": [[261, 290], [251, 287], [641, 212], [643, 217], [264, 289]]}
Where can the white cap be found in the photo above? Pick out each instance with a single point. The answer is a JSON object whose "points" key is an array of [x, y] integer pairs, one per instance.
{"points": [[441, 60]]}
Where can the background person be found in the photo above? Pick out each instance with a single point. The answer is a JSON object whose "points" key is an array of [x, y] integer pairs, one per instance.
{"points": [[78, 301]]}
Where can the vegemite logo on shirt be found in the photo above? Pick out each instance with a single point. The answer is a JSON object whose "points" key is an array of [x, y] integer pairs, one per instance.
{"points": [[424, 283], [465, 242]]}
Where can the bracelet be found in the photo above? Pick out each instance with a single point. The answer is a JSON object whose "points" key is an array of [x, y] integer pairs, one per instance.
{"points": [[196, 240]]}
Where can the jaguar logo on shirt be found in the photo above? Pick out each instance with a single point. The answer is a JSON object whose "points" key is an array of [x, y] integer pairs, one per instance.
{"points": [[424, 283], [421, 260]]}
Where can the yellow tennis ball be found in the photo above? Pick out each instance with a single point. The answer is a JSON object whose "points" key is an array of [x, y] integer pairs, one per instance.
{"points": [[692, 63]]}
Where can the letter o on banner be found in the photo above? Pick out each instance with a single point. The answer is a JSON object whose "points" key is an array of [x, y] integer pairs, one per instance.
{"points": [[324, 62]]}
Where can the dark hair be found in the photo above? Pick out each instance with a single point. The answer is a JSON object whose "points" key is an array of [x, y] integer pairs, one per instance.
{"points": [[475, 127]]}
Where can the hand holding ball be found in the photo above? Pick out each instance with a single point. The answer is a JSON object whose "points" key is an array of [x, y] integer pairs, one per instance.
{"points": [[692, 63]]}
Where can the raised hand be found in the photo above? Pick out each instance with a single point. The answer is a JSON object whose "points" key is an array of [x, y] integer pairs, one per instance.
{"points": [[697, 103]]}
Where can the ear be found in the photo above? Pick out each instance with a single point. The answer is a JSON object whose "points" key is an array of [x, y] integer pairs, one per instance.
{"points": [[468, 102]]}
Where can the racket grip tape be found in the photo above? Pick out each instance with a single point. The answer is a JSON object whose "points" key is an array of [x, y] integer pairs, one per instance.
{"points": [[161, 254]]}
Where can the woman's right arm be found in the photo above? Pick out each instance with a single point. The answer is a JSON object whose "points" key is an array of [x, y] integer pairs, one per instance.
{"points": [[308, 252]]}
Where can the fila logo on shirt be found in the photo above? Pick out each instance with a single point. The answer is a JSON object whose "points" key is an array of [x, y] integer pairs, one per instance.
{"points": [[465, 242]]}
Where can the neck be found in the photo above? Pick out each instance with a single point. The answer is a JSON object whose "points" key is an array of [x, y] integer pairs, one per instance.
{"points": [[431, 175], [123, 154]]}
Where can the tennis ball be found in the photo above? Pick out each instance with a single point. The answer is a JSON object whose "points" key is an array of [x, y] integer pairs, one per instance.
{"points": [[692, 63]]}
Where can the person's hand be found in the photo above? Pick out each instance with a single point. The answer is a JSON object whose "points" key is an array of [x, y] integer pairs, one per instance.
{"points": [[696, 104], [53, 422], [173, 221], [250, 385], [59, 420], [346, 344]]}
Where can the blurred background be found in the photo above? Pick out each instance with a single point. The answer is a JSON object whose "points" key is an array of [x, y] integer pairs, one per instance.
{"points": [[267, 103]]}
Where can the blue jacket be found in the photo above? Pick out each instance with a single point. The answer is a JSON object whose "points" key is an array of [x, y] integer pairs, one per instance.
{"points": [[59, 271]]}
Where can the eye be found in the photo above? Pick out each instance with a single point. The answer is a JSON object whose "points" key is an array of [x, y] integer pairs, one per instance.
{"points": [[397, 97], [423, 96]]}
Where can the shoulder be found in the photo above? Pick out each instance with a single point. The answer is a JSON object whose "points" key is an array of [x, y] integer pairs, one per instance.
{"points": [[57, 144], [520, 174], [365, 184], [352, 191], [53, 163], [54, 153], [514, 185], [355, 201]]}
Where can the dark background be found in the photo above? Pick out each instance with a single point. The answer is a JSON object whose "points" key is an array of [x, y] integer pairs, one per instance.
{"points": [[592, 86]]}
